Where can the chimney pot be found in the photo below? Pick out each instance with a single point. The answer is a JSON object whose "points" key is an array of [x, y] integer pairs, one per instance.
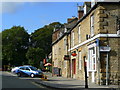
{"points": [[80, 12]]}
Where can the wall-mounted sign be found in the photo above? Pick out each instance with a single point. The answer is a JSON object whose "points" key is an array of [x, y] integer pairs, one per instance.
{"points": [[74, 54], [105, 49], [66, 57]]}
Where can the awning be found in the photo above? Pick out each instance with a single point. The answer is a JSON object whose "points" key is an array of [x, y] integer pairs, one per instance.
{"points": [[48, 64]]}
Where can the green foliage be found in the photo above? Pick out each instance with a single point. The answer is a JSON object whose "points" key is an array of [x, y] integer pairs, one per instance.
{"points": [[35, 55], [42, 37], [18, 47], [14, 46]]}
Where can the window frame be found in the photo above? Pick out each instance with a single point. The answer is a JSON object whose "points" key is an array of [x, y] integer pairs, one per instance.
{"points": [[92, 58], [80, 60], [79, 34], [92, 25]]}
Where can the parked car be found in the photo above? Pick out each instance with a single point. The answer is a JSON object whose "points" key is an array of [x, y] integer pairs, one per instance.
{"points": [[14, 70], [29, 71]]}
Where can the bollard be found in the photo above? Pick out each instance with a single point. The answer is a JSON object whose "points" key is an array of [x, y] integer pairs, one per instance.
{"points": [[44, 77]]}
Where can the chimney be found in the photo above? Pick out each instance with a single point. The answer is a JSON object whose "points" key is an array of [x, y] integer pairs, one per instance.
{"points": [[80, 12], [70, 19]]}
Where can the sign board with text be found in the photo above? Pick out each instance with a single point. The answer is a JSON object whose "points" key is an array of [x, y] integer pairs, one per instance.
{"points": [[105, 49]]}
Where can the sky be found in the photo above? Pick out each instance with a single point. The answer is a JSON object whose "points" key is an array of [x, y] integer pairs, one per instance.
{"points": [[34, 15]]}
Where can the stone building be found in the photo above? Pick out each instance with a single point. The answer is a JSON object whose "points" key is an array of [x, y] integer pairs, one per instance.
{"points": [[59, 47], [93, 41]]}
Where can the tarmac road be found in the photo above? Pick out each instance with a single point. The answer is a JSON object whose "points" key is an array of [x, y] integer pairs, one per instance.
{"points": [[12, 81]]}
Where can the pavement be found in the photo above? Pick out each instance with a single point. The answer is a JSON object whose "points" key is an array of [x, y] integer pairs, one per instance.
{"points": [[70, 83]]}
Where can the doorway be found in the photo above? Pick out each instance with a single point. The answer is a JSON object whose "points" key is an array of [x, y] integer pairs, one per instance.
{"points": [[73, 67]]}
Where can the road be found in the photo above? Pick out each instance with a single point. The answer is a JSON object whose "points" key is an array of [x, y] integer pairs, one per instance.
{"points": [[10, 80]]}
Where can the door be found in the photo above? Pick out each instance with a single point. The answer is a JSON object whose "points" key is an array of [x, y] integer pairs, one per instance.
{"points": [[74, 66]]}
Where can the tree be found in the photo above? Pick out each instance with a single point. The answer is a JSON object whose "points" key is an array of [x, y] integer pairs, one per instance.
{"points": [[42, 37], [14, 46], [35, 55]]}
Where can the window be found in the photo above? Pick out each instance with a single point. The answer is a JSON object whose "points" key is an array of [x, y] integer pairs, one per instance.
{"points": [[65, 43], [80, 61], [33, 68], [79, 37], [73, 38], [22, 68], [27, 69], [92, 25], [92, 59]]}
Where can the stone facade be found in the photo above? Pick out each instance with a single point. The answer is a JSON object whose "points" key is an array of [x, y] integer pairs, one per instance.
{"points": [[60, 47], [95, 43]]}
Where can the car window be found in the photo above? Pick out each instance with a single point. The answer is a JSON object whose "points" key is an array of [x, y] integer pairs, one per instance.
{"points": [[33, 68], [27, 68], [22, 68]]}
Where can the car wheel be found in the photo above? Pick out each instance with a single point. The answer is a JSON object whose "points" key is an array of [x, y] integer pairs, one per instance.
{"points": [[19, 74], [32, 75]]}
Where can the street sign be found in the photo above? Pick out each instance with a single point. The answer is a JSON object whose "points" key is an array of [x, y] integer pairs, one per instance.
{"points": [[105, 49]]}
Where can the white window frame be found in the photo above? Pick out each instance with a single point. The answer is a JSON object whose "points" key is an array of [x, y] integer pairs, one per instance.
{"points": [[80, 60], [92, 25], [92, 56], [79, 34]]}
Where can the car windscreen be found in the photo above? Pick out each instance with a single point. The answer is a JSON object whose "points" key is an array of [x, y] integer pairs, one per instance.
{"points": [[33, 68]]}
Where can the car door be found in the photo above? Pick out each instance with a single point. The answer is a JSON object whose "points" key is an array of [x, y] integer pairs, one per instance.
{"points": [[22, 71], [27, 70]]}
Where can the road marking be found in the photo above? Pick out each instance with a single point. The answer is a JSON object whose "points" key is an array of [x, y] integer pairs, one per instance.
{"points": [[37, 85], [29, 78]]}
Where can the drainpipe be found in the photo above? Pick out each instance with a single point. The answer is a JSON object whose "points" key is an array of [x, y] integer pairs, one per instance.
{"points": [[107, 70], [70, 58]]}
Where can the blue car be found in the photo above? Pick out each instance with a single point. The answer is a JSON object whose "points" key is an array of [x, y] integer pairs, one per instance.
{"points": [[29, 71]]}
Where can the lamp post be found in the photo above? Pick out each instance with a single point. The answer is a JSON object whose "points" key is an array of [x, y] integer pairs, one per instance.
{"points": [[85, 70]]}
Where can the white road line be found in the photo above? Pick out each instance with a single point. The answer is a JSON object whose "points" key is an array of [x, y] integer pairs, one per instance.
{"points": [[37, 85]]}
